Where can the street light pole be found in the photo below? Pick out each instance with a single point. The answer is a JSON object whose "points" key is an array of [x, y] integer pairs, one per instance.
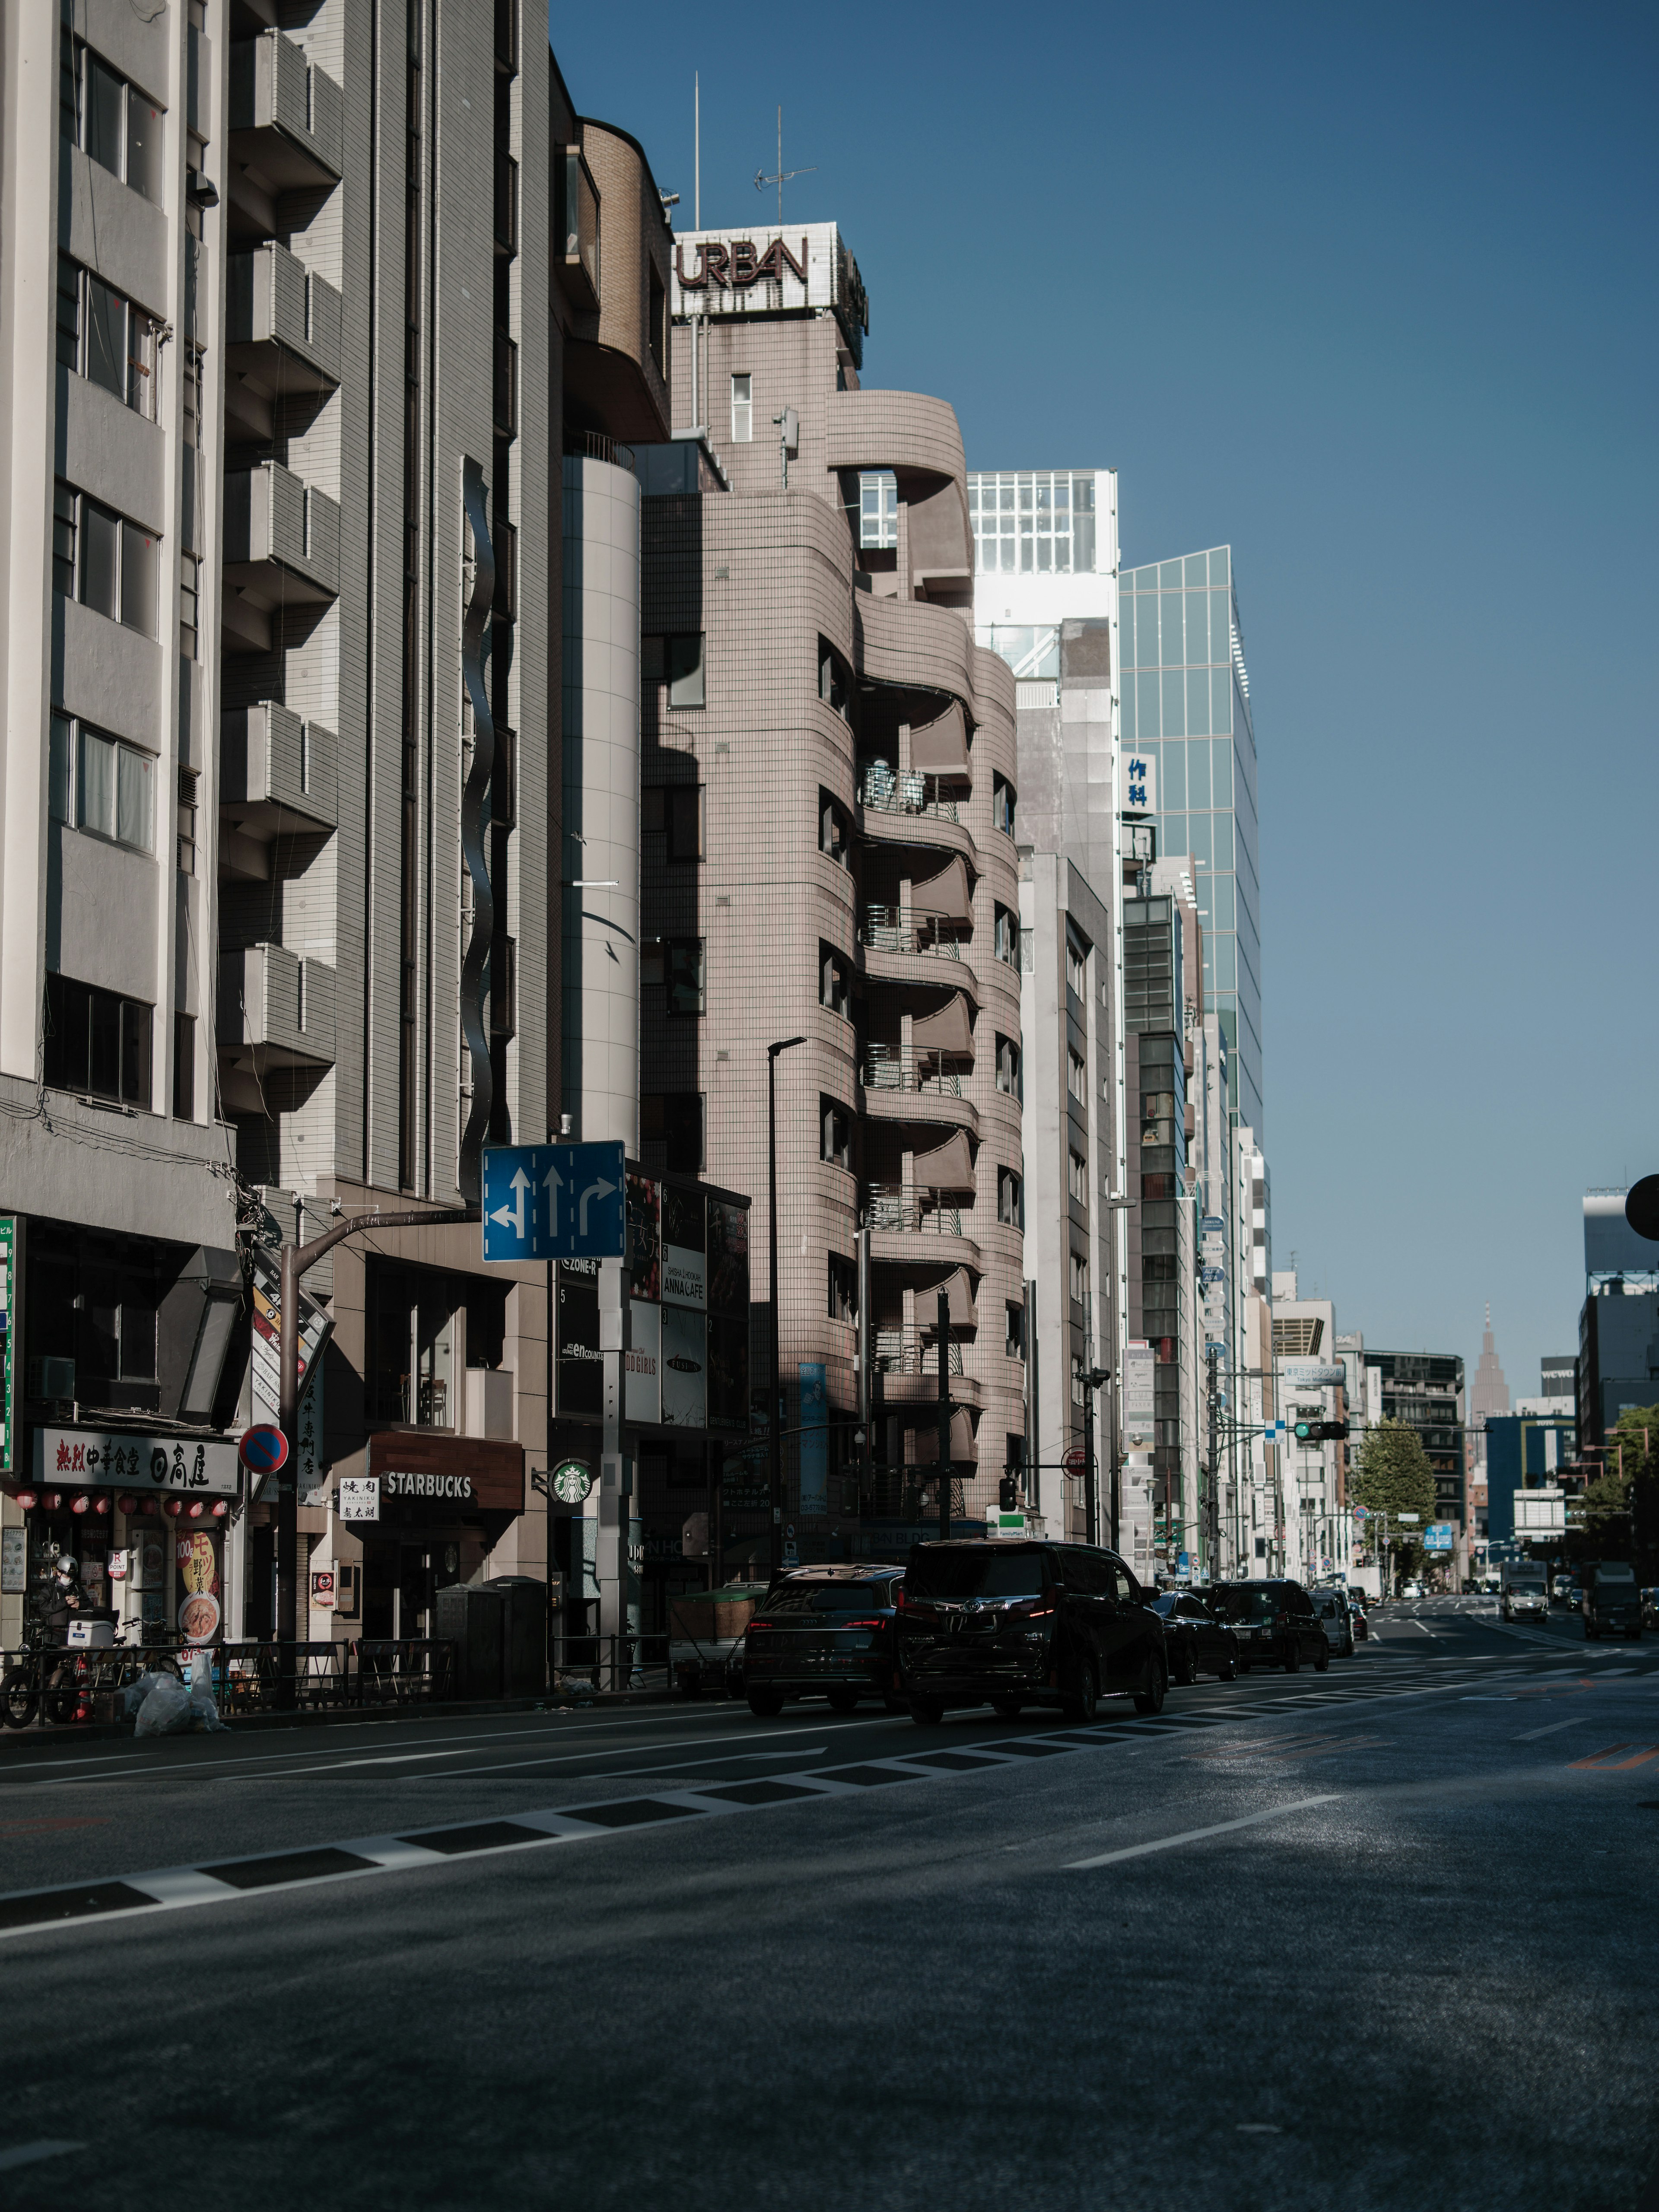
{"points": [[774, 1423]]}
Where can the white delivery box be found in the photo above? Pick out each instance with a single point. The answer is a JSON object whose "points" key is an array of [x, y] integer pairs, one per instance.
{"points": [[93, 1635]]}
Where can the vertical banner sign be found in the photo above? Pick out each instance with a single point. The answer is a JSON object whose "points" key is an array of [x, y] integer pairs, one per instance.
{"points": [[197, 1559], [11, 1309], [310, 1465], [1139, 1368], [814, 1438]]}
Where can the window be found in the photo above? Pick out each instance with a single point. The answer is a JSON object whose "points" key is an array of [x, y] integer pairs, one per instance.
{"points": [[1005, 936], [1076, 980], [1077, 1380], [1009, 1194], [188, 782], [1080, 1279], [1002, 805], [1078, 1177], [685, 976], [1077, 1077], [111, 121], [843, 1290], [102, 337], [106, 562], [1014, 1341], [184, 1068], [98, 784], [684, 816], [96, 1042], [743, 409], [1008, 1067], [834, 831], [836, 1137], [878, 510], [671, 1131], [676, 659], [835, 981], [835, 684], [190, 570]]}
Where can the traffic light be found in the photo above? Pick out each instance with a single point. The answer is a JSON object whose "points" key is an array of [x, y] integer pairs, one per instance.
{"points": [[1008, 1494], [1319, 1432]]}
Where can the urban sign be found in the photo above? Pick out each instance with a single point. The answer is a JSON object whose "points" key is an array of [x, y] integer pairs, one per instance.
{"points": [[262, 1449], [554, 1202], [1312, 1374], [7, 1336], [1437, 1536], [1139, 1373], [360, 1498], [571, 1481], [98, 1459]]}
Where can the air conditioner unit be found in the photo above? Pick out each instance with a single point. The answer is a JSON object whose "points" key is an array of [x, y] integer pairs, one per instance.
{"points": [[51, 1378]]}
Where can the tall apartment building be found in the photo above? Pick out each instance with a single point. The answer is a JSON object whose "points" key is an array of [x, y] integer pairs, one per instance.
{"points": [[1063, 1066], [1425, 1390], [830, 782], [292, 357], [1618, 1321]]}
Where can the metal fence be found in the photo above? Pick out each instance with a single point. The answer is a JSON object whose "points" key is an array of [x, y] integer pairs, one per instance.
{"points": [[58, 1685], [590, 1663]]}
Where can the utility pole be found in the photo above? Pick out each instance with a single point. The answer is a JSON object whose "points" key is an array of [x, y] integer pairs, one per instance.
{"points": [[774, 1418], [1213, 1503], [1089, 1497], [944, 1416]]}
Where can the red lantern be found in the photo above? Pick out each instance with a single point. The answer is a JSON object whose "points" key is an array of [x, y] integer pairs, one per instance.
{"points": [[81, 1504], [127, 1502], [54, 1501], [221, 1508], [101, 1504], [175, 1506], [28, 1499], [196, 1509]]}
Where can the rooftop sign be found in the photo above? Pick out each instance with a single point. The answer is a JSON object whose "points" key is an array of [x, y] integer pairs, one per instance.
{"points": [[768, 271]]}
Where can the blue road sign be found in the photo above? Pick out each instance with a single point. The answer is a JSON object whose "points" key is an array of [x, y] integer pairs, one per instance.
{"points": [[554, 1202]]}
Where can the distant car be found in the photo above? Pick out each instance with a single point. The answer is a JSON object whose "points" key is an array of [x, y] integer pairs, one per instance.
{"points": [[1413, 1589], [1560, 1589], [823, 1632], [1276, 1624], [1612, 1602], [1575, 1597], [1651, 1609], [1332, 1607], [1360, 1626], [1197, 1643]]}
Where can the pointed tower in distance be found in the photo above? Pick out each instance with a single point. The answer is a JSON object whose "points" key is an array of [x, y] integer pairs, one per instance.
{"points": [[1490, 1393]]}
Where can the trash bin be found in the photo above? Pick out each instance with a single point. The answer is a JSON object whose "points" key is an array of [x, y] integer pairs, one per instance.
{"points": [[470, 1619], [523, 1633]]}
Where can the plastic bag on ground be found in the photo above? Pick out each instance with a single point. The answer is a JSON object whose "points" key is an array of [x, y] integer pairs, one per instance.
{"points": [[167, 1708], [133, 1696], [204, 1713]]}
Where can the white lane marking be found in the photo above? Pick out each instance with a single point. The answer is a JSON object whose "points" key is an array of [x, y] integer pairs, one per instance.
{"points": [[27, 2153], [1198, 1835], [1579, 1720], [546, 1759]]}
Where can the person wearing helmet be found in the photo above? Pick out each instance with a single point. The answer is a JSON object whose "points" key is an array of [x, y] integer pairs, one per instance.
{"points": [[63, 1597]]}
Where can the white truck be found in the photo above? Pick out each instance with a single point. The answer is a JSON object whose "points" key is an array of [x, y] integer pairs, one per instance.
{"points": [[1524, 1593]]}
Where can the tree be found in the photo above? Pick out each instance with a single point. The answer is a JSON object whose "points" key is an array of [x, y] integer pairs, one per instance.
{"points": [[1621, 1506], [1391, 1477]]}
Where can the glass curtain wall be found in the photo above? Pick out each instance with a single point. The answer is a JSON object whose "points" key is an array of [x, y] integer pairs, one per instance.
{"points": [[1187, 709]]}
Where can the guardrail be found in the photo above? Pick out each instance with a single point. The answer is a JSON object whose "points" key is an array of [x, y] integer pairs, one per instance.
{"points": [[639, 1662], [903, 794], [58, 1685], [896, 929], [889, 1206], [889, 1070]]}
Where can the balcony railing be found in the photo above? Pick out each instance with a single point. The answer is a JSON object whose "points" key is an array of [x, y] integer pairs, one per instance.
{"points": [[889, 1068], [896, 929], [898, 1353], [900, 1207], [904, 794]]}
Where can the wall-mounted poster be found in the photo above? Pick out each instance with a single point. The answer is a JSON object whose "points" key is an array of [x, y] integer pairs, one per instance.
{"points": [[644, 1236], [198, 1557], [642, 1364], [728, 1258], [684, 1361], [684, 1247], [581, 1370]]}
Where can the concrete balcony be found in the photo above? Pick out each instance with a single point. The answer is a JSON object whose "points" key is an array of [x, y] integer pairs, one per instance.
{"points": [[274, 1009], [282, 336], [287, 124], [281, 549], [278, 776]]}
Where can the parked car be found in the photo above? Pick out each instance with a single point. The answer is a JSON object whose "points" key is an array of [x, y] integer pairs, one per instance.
{"points": [[823, 1631], [1331, 1607], [1359, 1626], [1025, 1624], [1196, 1642], [1276, 1623]]}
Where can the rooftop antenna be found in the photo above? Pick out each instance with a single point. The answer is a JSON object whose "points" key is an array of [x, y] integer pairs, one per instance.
{"points": [[696, 149], [783, 175]]}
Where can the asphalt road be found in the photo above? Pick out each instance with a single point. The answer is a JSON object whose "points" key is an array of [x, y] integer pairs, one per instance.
{"points": [[1385, 1936]]}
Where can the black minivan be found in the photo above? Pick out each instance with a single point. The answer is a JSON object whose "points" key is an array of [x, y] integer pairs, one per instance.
{"points": [[1276, 1623], [1024, 1624]]}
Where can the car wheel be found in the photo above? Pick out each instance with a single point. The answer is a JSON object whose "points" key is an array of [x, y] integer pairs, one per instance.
{"points": [[926, 1712], [1080, 1698], [1008, 1709], [1292, 1655], [19, 1700], [765, 1704], [1322, 1660], [1149, 1697], [1186, 1669], [844, 1701]]}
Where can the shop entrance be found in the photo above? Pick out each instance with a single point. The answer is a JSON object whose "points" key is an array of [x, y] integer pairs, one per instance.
{"points": [[401, 1582]]}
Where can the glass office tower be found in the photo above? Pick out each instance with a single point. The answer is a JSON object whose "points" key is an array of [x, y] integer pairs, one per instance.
{"points": [[1186, 704]]}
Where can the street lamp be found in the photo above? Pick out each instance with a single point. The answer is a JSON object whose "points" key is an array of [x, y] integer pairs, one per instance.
{"points": [[773, 1419]]}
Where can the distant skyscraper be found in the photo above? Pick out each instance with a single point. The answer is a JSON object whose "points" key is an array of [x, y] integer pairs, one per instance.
{"points": [[1185, 711], [1490, 1392]]}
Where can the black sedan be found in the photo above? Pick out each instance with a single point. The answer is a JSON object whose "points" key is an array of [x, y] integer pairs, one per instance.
{"points": [[824, 1632], [1197, 1643], [1275, 1623]]}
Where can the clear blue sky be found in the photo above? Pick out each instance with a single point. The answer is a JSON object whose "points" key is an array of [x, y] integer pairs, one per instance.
{"points": [[1371, 297]]}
